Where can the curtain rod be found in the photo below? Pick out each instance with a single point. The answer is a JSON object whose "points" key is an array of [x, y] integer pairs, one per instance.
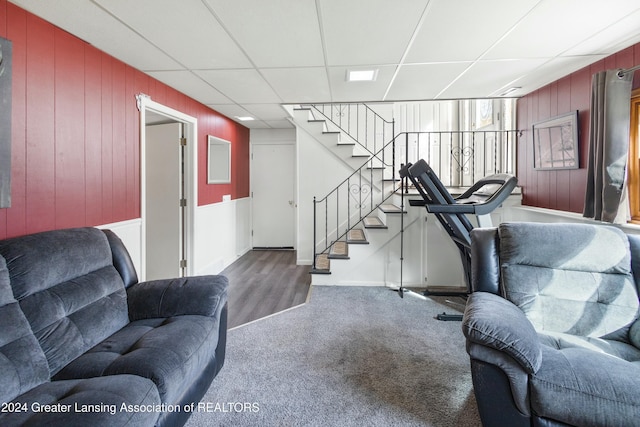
{"points": [[621, 73]]}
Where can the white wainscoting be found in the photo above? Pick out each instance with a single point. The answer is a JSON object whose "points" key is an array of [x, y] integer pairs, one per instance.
{"points": [[130, 232], [533, 214], [222, 235]]}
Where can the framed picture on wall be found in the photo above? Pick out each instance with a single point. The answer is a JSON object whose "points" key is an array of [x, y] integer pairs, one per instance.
{"points": [[555, 142], [218, 160]]}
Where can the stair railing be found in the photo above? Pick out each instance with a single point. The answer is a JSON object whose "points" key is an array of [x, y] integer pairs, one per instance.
{"points": [[458, 157], [359, 122], [355, 198]]}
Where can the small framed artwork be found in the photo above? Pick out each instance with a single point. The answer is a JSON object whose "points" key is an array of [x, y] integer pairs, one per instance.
{"points": [[218, 160], [555, 143]]}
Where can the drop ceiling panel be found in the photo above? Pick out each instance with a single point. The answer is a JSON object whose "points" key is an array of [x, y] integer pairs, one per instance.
{"points": [[607, 41], [241, 85], [279, 124], [424, 81], [267, 112], [553, 70], [488, 77], [361, 32], [187, 31], [295, 85], [275, 33], [455, 32], [253, 55], [91, 23], [191, 85], [554, 27], [231, 110]]}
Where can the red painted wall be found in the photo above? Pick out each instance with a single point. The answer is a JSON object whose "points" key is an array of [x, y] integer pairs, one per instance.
{"points": [[562, 189], [76, 132]]}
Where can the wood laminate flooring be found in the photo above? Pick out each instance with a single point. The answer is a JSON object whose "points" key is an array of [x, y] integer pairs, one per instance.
{"points": [[264, 282]]}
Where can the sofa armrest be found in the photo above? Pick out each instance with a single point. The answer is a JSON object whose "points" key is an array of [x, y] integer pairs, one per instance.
{"points": [[495, 322], [198, 295]]}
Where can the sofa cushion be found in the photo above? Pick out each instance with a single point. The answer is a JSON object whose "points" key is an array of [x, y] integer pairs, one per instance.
{"points": [[569, 278], [68, 289], [22, 362], [574, 387], [172, 352], [615, 348], [89, 402]]}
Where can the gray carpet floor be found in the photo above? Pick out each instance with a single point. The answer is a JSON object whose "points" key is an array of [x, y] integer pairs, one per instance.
{"points": [[351, 356]]}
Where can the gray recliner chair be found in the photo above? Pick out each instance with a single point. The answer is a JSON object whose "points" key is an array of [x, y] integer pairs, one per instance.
{"points": [[552, 325]]}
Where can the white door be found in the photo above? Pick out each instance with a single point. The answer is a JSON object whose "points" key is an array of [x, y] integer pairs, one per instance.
{"points": [[164, 219], [273, 210]]}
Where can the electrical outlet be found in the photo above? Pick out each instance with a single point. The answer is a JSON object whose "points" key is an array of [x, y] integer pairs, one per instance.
{"points": [[226, 198]]}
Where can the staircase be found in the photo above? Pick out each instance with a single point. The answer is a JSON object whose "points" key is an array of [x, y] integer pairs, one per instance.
{"points": [[361, 226], [352, 222]]}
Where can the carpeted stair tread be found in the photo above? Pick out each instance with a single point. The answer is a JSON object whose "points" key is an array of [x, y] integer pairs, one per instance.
{"points": [[323, 265], [339, 250], [373, 222], [357, 236], [389, 208]]}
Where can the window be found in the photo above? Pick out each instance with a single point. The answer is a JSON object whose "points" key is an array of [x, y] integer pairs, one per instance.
{"points": [[633, 169]]}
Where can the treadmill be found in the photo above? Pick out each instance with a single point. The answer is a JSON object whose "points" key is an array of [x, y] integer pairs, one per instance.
{"points": [[482, 198]]}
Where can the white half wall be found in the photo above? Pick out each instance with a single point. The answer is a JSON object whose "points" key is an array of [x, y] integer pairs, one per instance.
{"points": [[222, 235], [130, 232], [533, 214]]}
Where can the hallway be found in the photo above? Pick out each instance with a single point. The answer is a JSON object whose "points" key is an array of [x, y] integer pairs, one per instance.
{"points": [[262, 283]]}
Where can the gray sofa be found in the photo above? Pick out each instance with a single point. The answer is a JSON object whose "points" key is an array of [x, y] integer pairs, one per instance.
{"points": [[552, 325], [84, 343]]}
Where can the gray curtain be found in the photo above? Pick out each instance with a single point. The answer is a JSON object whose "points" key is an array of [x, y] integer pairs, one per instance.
{"points": [[608, 146]]}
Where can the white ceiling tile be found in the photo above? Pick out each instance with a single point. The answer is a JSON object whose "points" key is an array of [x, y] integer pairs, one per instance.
{"points": [[241, 85], [91, 23], [187, 31], [424, 81], [363, 32], [553, 70], [607, 41], [553, 27], [487, 77], [464, 30], [274, 33], [250, 56], [230, 110], [267, 112], [298, 85], [256, 124], [191, 85], [279, 124]]}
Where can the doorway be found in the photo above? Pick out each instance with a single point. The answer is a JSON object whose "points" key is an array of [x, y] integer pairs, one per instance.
{"points": [[165, 219], [273, 202], [168, 156]]}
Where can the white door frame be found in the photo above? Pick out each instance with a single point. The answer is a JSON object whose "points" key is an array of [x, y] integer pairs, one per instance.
{"points": [[145, 104]]}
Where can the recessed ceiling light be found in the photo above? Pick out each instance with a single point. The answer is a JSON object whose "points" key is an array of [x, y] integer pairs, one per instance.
{"points": [[244, 118], [361, 75]]}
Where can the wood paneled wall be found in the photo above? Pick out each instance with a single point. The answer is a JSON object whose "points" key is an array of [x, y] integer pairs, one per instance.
{"points": [[562, 189], [76, 132]]}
